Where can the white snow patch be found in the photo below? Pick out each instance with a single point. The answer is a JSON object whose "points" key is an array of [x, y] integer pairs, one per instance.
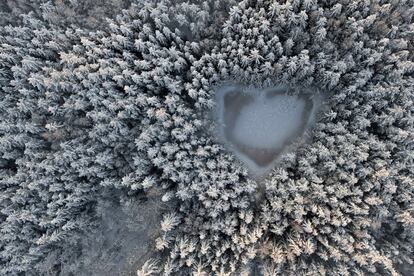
{"points": [[259, 125]]}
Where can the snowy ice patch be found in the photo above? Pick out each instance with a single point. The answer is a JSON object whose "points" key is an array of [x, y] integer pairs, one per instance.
{"points": [[258, 125], [267, 122]]}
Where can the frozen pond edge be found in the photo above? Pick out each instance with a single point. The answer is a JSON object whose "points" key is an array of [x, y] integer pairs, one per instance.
{"points": [[258, 161]]}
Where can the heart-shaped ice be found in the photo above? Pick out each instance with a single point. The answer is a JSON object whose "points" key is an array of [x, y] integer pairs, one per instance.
{"points": [[259, 124]]}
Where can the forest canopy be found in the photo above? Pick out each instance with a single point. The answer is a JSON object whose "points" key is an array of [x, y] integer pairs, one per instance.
{"points": [[106, 166]]}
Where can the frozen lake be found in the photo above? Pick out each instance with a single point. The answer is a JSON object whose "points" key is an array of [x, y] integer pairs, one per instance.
{"points": [[258, 125]]}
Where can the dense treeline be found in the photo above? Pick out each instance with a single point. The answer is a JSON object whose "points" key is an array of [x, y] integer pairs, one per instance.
{"points": [[94, 108]]}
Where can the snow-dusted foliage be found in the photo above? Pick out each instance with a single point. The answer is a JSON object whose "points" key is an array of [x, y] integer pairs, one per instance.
{"points": [[90, 14], [121, 111]]}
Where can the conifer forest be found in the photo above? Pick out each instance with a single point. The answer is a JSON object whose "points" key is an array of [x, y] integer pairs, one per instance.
{"points": [[206, 137]]}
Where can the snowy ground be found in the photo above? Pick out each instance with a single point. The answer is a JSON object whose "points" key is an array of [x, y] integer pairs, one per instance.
{"points": [[258, 125]]}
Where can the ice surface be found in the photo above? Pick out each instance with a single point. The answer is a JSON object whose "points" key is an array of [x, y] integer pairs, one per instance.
{"points": [[258, 125], [267, 122]]}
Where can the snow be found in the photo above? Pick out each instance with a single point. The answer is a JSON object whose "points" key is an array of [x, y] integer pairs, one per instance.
{"points": [[259, 125]]}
